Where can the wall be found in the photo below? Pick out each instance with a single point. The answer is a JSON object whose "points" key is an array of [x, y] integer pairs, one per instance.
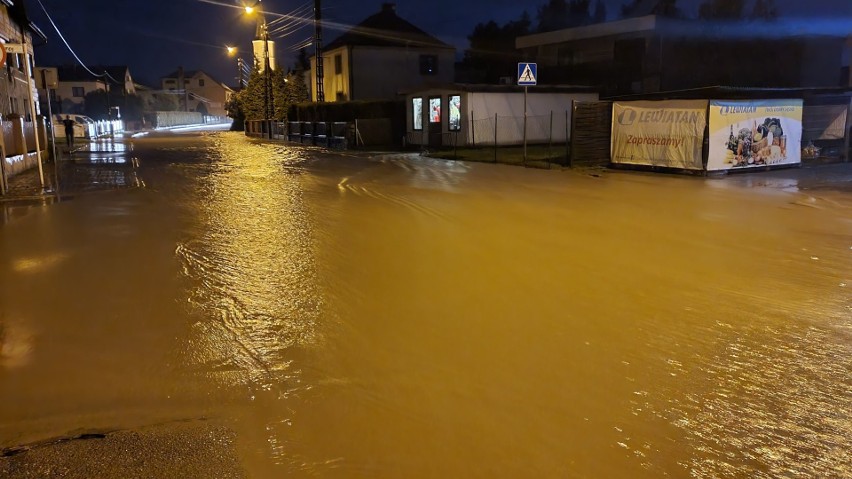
{"points": [[382, 73], [333, 83]]}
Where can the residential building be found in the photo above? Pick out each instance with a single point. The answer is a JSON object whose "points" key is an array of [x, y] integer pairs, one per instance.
{"points": [[201, 92], [74, 82], [380, 57], [653, 53], [18, 96]]}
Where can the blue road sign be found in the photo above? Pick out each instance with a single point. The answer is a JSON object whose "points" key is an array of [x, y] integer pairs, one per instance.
{"points": [[527, 74]]}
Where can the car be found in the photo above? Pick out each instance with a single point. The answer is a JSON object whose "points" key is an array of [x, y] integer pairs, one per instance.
{"points": [[84, 127]]}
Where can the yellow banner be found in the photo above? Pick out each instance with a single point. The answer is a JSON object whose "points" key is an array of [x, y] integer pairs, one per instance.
{"points": [[659, 133], [754, 133]]}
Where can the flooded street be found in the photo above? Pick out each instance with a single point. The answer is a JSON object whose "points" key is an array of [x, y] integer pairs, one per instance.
{"points": [[407, 317]]}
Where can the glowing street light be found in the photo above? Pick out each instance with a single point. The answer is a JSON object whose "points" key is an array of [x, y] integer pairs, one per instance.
{"points": [[231, 50], [249, 9]]}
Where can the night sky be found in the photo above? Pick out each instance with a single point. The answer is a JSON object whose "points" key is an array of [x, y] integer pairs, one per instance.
{"points": [[154, 37]]}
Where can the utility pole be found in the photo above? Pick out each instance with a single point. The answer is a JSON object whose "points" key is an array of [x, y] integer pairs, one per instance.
{"points": [[318, 46], [239, 74], [182, 86]]}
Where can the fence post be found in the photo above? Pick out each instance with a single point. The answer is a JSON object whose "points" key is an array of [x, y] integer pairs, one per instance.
{"points": [[472, 130], [550, 144], [495, 138], [568, 158], [456, 146]]}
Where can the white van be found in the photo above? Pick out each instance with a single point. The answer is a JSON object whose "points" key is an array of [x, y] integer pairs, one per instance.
{"points": [[84, 127]]}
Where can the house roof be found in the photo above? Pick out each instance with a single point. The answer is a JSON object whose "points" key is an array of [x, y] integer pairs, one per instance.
{"points": [[18, 13], [386, 29], [193, 74], [78, 73]]}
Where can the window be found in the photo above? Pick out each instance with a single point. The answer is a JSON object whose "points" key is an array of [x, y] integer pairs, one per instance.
{"points": [[434, 110], [341, 96], [428, 64], [455, 113], [338, 64], [78, 92], [186, 83], [52, 94], [200, 82], [564, 56], [170, 82], [417, 113]]}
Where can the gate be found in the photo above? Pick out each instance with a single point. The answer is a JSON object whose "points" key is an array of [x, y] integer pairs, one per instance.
{"points": [[591, 132]]}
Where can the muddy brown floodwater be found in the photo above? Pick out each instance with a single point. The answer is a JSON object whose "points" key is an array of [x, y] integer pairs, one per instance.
{"points": [[406, 317]]}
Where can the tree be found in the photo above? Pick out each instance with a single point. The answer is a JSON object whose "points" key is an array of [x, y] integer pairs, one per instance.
{"points": [[492, 53], [663, 8], [721, 9], [600, 12], [235, 111], [97, 105], [286, 91], [559, 14], [302, 62], [164, 102], [764, 10]]}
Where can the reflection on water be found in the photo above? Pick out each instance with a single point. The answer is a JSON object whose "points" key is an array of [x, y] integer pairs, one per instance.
{"points": [[415, 318], [250, 262]]}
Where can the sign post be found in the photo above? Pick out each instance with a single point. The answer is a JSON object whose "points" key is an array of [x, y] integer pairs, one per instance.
{"points": [[527, 76]]}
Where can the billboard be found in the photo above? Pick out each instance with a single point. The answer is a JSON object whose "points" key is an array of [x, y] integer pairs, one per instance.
{"points": [[754, 133], [659, 133]]}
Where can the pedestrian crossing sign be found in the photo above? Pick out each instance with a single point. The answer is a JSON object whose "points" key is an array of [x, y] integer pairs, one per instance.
{"points": [[527, 74]]}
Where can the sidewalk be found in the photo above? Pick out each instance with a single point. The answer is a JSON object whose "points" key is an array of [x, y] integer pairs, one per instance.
{"points": [[91, 166]]}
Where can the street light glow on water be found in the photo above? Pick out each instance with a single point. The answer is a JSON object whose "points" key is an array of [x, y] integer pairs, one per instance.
{"points": [[407, 317]]}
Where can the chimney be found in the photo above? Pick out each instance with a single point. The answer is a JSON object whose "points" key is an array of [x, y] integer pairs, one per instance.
{"points": [[389, 8]]}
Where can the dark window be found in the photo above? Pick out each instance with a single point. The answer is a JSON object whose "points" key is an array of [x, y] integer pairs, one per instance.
{"points": [[338, 64], [341, 96], [428, 64], [78, 91], [564, 56], [200, 82], [53, 94]]}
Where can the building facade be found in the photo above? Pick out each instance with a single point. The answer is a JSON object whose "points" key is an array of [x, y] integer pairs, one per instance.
{"points": [[23, 131], [653, 53], [379, 58], [200, 92], [74, 82]]}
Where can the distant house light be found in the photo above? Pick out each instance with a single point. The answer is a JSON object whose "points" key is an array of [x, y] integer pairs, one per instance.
{"points": [[428, 64]]}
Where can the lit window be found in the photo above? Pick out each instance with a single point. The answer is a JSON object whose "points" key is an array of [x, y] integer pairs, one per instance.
{"points": [[417, 113], [455, 113], [434, 110]]}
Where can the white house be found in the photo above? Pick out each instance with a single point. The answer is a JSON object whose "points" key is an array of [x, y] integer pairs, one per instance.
{"points": [[461, 114]]}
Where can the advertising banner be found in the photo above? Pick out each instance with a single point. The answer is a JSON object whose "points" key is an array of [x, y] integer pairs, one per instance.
{"points": [[659, 133], [754, 133]]}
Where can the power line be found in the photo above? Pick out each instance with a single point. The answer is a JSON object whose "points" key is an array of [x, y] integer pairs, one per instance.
{"points": [[105, 73]]}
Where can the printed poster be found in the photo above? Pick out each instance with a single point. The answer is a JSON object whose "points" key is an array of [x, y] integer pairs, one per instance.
{"points": [[659, 133], [754, 133]]}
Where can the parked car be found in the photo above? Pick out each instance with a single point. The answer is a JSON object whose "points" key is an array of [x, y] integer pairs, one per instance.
{"points": [[84, 127]]}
